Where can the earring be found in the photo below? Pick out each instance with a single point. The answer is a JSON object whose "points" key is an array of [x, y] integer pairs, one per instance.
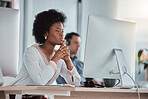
{"points": [[45, 37]]}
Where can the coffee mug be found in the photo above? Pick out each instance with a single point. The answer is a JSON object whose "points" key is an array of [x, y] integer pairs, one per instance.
{"points": [[111, 82]]}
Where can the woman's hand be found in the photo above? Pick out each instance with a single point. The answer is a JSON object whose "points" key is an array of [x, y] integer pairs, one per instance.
{"points": [[66, 52], [62, 53], [66, 57]]}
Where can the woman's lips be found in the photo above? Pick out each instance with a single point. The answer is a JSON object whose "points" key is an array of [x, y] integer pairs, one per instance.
{"points": [[61, 38]]}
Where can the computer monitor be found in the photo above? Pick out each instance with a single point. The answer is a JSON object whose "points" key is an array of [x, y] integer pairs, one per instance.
{"points": [[103, 36], [9, 41]]}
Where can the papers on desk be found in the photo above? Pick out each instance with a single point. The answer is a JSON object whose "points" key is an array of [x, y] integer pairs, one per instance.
{"points": [[62, 85]]}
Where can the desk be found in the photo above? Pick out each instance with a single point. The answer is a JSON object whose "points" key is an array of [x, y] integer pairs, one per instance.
{"points": [[57, 92]]}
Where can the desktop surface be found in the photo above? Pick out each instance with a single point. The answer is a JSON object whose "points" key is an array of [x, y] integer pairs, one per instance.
{"points": [[63, 92], [69, 88]]}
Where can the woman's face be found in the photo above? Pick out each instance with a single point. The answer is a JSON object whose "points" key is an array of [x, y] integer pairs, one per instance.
{"points": [[55, 34]]}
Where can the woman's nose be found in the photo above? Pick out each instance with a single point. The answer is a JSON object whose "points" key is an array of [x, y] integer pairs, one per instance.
{"points": [[62, 34]]}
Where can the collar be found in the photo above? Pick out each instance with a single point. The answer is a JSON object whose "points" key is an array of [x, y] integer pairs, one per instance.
{"points": [[75, 57]]}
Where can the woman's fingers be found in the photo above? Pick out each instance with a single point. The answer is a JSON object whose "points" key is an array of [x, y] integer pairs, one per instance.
{"points": [[66, 52], [64, 48], [63, 43]]}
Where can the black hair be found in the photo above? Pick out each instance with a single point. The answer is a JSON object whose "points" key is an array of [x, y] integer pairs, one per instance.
{"points": [[43, 21], [69, 36]]}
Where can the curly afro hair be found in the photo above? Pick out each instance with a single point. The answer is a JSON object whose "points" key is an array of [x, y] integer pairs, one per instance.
{"points": [[43, 21]]}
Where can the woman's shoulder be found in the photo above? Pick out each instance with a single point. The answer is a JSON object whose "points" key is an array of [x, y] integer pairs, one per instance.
{"points": [[31, 49]]}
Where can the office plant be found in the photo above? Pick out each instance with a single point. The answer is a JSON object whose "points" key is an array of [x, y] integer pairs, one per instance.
{"points": [[143, 59]]}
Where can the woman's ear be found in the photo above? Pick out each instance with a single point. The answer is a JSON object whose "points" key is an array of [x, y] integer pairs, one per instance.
{"points": [[46, 35]]}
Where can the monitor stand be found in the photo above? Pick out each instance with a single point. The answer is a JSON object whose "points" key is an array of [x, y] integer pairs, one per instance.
{"points": [[126, 80]]}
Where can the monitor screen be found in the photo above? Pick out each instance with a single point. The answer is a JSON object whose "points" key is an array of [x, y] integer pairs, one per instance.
{"points": [[9, 41], [104, 35]]}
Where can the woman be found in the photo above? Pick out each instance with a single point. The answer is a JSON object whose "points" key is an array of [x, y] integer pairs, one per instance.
{"points": [[41, 63]]}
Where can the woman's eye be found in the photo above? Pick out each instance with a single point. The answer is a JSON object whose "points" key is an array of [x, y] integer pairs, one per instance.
{"points": [[58, 30]]}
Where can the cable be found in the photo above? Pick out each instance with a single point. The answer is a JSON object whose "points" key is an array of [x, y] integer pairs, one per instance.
{"points": [[134, 83], [125, 72]]}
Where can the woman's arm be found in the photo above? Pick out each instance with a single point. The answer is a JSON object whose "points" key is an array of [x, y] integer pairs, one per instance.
{"points": [[39, 73], [70, 76]]}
